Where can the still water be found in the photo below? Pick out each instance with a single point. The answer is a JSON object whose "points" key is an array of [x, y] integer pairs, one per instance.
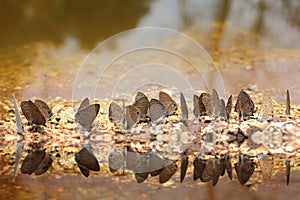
{"points": [[61, 51]]}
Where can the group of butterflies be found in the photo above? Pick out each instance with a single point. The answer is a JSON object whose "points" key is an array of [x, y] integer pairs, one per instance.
{"points": [[143, 110]]}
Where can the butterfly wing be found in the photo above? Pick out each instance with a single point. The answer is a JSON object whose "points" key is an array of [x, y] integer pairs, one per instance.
{"points": [[116, 114], [85, 102], [184, 109], [215, 103], [267, 107], [86, 116], [156, 110], [156, 164], [142, 103], [43, 108], [44, 165], [19, 151], [116, 160], [26, 110], [288, 103], [205, 104], [288, 171], [196, 110], [87, 159], [19, 125], [132, 116], [169, 104], [32, 161], [229, 107], [184, 166], [167, 173]]}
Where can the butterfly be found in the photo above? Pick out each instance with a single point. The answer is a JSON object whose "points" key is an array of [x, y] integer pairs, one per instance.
{"points": [[205, 104], [223, 109], [267, 107], [37, 162], [184, 109], [196, 102], [228, 107], [156, 110], [19, 151], [119, 118], [244, 105], [116, 160], [19, 125], [86, 161], [169, 104], [167, 173], [36, 113], [266, 163], [142, 103], [184, 167], [87, 113], [244, 169], [288, 171], [287, 103], [215, 103]]}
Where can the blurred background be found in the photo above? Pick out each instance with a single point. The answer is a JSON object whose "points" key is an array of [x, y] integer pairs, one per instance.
{"points": [[253, 43]]}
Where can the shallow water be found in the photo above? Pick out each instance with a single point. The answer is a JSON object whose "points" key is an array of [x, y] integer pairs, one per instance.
{"points": [[64, 51]]}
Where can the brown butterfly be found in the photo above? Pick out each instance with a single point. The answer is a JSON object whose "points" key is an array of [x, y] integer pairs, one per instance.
{"points": [[244, 105], [223, 109], [287, 103], [267, 107], [244, 169], [142, 103], [228, 107], [205, 104], [184, 109], [132, 116], [116, 115], [36, 113], [86, 161], [169, 104], [196, 110], [86, 114], [288, 171], [167, 173], [156, 110], [215, 103]]}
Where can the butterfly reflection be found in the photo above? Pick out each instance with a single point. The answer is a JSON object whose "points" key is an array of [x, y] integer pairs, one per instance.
{"points": [[86, 114], [211, 169], [244, 168], [142, 164], [37, 162], [86, 161]]}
